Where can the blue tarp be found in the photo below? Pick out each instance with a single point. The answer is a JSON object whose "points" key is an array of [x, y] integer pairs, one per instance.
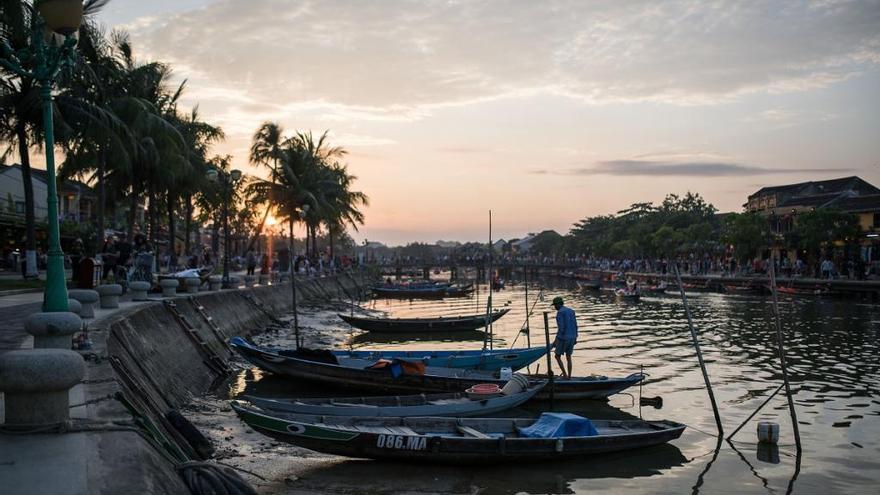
{"points": [[553, 425]]}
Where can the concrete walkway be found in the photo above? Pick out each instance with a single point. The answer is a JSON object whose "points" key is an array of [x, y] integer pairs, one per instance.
{"points": [[50, 464]]}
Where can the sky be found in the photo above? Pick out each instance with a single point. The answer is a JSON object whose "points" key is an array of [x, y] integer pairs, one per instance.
{"points": [[543, 112]]}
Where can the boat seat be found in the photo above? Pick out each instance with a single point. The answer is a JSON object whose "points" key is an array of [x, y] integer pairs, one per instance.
{"points": [[402, 430], [470, 432]]}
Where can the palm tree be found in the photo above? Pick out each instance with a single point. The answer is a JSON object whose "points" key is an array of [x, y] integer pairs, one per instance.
{"points": [[267, 149], [21, 107]]}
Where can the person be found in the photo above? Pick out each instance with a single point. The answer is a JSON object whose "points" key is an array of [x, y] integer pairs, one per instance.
{"points": [[77, 253], [566, 335], [251, 260]]}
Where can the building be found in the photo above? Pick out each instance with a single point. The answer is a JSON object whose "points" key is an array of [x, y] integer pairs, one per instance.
{"points": [[525, 244], [848, 194], [76, 203]]}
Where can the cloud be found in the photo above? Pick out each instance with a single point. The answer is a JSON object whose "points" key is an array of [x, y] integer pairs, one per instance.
{"points": [[402, 57], [648, 168]]}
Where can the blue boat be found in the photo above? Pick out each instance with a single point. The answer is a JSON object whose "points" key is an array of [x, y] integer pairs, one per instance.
{"points": [[486, 360], [356, 374]]}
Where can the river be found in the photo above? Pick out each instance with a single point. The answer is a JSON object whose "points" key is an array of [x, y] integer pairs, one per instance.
{"points": [[832, 351]]}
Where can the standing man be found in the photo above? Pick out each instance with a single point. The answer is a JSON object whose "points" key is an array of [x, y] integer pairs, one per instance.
{"points": [[566, 335]]}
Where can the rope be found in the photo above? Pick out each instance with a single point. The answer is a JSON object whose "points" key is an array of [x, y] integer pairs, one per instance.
{"points": [[207, 478]]}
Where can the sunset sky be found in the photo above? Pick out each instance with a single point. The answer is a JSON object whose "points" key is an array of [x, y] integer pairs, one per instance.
{"points": [[543, 111]]}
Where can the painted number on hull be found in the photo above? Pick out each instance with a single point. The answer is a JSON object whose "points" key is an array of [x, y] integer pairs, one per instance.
{"points": [[401, 442]]}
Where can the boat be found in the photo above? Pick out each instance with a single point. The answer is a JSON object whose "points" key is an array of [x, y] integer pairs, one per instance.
{"points": [[489, 360], [589, 284], [803, 291], [324, 367], [629, 294], [448, 405], [743, 289], [438, 324], [421, 292], [552, 436]]}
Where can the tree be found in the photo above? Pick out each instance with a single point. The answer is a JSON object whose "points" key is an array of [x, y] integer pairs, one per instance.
{"points": [[747, 233], [820, 228]]}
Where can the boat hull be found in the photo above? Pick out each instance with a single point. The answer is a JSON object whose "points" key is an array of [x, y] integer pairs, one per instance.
{"points": [[514, 359], [445, 406], [451, 379], [404, 325], [399, 441]]}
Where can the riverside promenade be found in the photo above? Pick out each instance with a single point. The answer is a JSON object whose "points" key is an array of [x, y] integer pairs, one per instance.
{"points": [[148, 359]]}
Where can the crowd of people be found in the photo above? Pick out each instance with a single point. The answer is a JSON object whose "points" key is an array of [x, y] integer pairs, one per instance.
{"points": [[827, 267]]}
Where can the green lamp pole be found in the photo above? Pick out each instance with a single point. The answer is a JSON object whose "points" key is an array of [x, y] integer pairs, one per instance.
{"points": [[42, 61]]}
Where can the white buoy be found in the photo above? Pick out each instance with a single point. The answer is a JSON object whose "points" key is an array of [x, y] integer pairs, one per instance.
{"points": [[768, 432]]}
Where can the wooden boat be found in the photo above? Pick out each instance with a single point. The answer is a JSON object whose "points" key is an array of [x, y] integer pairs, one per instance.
{"points": [[438, 324], [490, 360], [589, 284], [743, 289], [324, 367], [627, 295], [400, 338], [673, 288], [423, 292], [454, 440], [449, 405], [802, 291]]}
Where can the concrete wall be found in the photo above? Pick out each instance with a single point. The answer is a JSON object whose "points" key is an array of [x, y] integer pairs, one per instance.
{"points": [[145, 354]]}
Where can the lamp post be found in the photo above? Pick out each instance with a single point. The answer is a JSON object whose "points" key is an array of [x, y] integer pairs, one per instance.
{"points": [[302, 217], [227, 181], [41, 61]]}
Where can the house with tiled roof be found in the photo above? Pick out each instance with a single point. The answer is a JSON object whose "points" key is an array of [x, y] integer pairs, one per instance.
{"points": [[848, 194]]}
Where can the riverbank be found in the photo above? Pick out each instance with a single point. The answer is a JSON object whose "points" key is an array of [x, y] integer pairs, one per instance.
{"points": [[149, 359]]}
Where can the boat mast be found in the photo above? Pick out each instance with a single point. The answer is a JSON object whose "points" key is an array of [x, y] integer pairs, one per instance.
{"points": [[489, 300]]}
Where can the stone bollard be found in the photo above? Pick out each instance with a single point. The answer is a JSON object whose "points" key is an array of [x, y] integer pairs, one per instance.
{"points": [[36, 384], [74, 306], [110, 295], [192, 284], [139, 290], [53, 330], [87, 298], [169, 287], [264, 279], [215, 282], [249, 281]]}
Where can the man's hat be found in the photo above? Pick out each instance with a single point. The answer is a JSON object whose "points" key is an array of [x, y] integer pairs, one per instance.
{"points": [[557, 301]]}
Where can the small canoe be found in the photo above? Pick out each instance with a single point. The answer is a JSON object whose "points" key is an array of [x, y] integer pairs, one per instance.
{"points": [[743, 289], [438, 324], [457, 440], [627, 296], [448, 405], [423, 292], [589, 284], [352, 373], [800, 291]]}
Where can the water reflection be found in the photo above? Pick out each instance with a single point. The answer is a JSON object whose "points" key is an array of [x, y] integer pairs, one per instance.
{"points": [[561, 477]]}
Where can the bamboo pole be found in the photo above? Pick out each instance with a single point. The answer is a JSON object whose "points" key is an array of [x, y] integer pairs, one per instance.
{"points": [[687, 312], [781, 348], [549, 365]]}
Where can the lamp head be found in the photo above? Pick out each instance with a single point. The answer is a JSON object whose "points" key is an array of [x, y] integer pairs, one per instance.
{"points": [[235, 174], [62, 16], [211, 175]]}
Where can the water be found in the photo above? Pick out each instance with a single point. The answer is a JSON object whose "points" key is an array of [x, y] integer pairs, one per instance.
{"points": [[832, 349]]}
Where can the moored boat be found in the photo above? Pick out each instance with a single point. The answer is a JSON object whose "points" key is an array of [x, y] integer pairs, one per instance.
{"points": [[352, 373], [423, 292], [489, 360], [448, 405], [459, 440], [438, 324]]}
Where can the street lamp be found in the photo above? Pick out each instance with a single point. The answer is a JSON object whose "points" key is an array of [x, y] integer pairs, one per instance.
{"points": [[44, 58], [302, 217], [227, 181]]}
